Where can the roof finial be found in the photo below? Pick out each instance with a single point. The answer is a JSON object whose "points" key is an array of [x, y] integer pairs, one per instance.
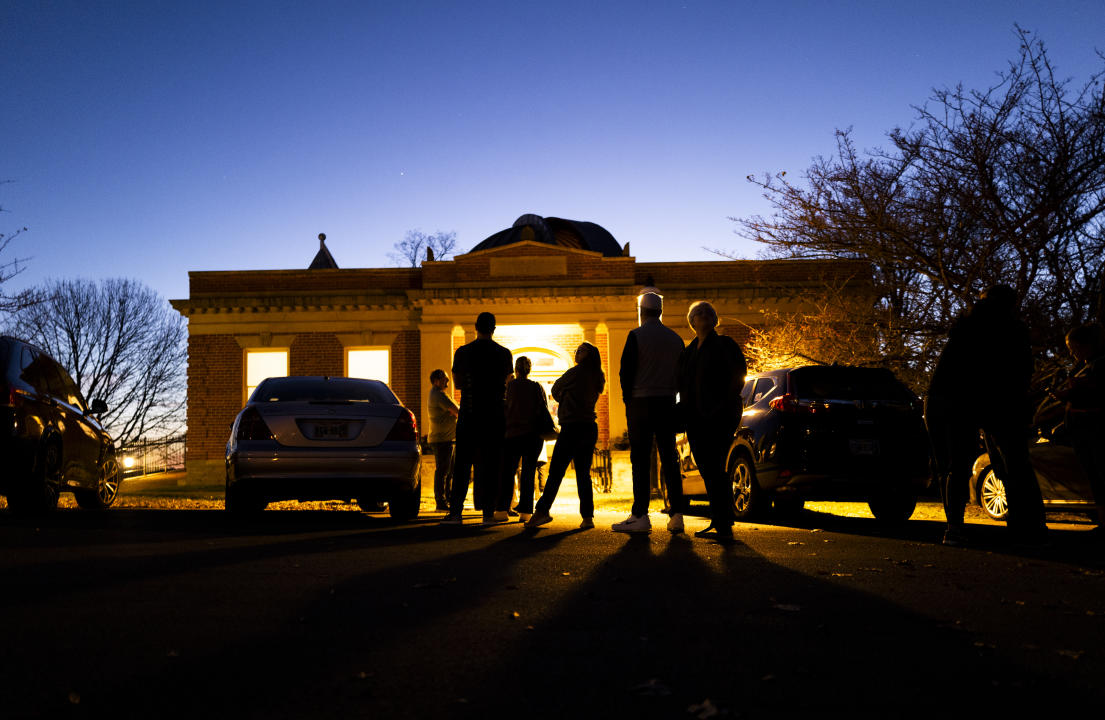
{"points": [[321, 240]]}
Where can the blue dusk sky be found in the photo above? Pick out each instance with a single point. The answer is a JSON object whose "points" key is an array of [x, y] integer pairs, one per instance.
{"points": [[146, 139]]}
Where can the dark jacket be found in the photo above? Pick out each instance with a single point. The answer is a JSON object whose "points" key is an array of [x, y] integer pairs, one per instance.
{"points": [[711, 377], [524, 397], [577, 391], [985, 368]]}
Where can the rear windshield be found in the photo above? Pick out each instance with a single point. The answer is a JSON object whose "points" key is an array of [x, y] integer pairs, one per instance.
{"points": [[323, 389], [849, 383]]}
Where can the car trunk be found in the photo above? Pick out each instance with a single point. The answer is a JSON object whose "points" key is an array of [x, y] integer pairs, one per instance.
{"points": [[329, 423]]}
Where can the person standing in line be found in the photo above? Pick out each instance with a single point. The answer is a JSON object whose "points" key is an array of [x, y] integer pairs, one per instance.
{"points": [[481, 370], [711, 376], [525, 399], [648, 380], [442, 435], [971, 391], [577, 391], [1085, 408]]}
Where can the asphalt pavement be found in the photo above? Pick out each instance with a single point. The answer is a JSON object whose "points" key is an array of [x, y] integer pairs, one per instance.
{"points": [[316, 613]]}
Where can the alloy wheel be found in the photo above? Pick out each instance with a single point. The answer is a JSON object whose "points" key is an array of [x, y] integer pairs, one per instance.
{"points": [[991, 496]]}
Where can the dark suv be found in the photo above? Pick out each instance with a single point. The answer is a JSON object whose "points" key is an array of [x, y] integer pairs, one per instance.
{"points": [[50, 440], [828, 432]]}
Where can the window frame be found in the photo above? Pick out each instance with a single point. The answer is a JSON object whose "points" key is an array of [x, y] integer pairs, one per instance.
{"points": [[369, 348], [247, 390]]}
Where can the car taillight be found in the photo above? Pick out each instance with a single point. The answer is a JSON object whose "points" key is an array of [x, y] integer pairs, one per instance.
{"points": [[784, 403], [789, 404], [251, 426], [404, 428], [14, 396]]}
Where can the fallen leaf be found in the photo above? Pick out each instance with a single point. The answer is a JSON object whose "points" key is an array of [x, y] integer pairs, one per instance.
{"points": [[653, 688], [704, 709]]}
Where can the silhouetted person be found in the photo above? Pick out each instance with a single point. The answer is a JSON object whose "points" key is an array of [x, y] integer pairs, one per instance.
{"points": [[442, 435], [648, 379], [481, 369], [981, 383], [711, 376], [577, 391], [1085, 408], [525, 401]]}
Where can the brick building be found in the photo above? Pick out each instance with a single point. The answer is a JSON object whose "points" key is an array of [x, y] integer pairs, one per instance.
{"points": [[551, 283]]}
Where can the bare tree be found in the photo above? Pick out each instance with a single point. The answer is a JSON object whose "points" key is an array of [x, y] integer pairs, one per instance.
{"points": [[121, 342], [8, 270], [412, 250], [1006, 185]]}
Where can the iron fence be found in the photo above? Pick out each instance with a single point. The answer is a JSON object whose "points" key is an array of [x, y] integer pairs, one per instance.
{"points": [[602, 470], [144, 457]]}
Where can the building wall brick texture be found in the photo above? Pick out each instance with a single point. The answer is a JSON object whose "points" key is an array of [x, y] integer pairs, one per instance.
{"points": [[215, 385]]}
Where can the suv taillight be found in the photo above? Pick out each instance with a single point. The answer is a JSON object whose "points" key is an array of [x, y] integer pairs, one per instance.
{"points": [[784, 403], [789, 404], [404, 428], [251, 426]]}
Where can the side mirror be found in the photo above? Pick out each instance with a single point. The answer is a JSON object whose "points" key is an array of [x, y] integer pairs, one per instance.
{"points": [[99, 407]]}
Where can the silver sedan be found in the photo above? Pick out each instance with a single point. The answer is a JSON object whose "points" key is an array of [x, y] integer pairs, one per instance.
{"points": [[324, 438]]}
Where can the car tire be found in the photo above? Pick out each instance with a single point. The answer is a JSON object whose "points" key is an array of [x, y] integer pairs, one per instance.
{"points": [[239, 501], [38, 494], [892, 506], [747, 496], [991, 495], [405, 505], [107, 487]]}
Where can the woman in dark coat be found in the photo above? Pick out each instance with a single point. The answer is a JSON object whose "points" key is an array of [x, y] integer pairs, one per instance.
{"points": [[711, 376], [577, 391], [524, 399]]}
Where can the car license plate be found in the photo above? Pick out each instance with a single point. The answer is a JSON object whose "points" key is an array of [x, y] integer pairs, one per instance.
{"points": [[331, 431], [863, 447]]}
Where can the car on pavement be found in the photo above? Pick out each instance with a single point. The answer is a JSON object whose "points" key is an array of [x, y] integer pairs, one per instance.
{"points": [[324, 438], [1064, 485], [824, 432], [52, 440]]}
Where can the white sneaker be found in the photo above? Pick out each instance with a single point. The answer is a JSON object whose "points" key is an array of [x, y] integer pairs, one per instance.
{"points": [[633, 524], [538, 519], [587, 523], [675, 523]]}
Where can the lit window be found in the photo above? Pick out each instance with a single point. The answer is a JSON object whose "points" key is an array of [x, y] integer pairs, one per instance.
{"points": [[373, 364], [261, 364]]}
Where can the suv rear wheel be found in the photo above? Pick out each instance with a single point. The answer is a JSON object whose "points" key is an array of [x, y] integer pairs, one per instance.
{"points": [[892, 506], [38, 493]]}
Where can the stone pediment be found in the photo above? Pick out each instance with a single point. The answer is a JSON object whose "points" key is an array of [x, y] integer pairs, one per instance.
{"points": [[528, 263]]}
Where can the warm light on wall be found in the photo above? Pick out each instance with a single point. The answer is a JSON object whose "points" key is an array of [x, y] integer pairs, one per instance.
{"points": [[370, 363]]}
